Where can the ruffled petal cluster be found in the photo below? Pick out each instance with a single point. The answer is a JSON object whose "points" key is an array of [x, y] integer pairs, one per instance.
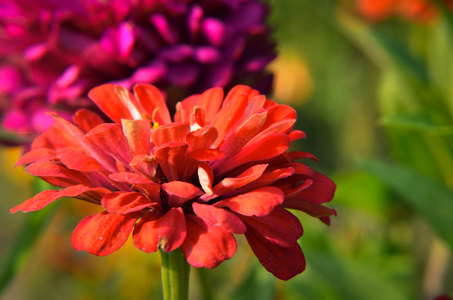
{"points": [[219, 167], [53, 52]]}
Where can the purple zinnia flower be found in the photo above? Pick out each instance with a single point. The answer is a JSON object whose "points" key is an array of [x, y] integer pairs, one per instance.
{"points": [[53, 51]]}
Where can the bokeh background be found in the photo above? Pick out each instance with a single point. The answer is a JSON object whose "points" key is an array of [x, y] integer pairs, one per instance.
{"points": [[376, 102]]}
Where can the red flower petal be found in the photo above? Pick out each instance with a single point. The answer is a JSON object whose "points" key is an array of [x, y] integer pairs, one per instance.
{"points": [[210, 101], [322, 190], [219, 217], [125, 202], [260, 202], [280, 227], [86, 119], [238, 91], [230, 184], [173, 161], [296, 155], [206, 154], [179, 192], [228, 115], [167, 232], [279, 113], [103, 233], [279, 127], [61, 134], [283, 262], [152, 100], [296, 135], [206, 246], [140, 183], [236, 139], [257, 151], [36, 155], [77, 160], [201, 138], [138, 135], [113, 105], [311, 208], [46, 197], [110, 138], [174, 132], [57, 174]]}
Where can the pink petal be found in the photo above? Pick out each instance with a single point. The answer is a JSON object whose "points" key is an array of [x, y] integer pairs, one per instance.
{"points": [[179, 192], [260, 202], [214, 30], [46, 197], [152, 100], [164, 28], [126, 39], [219, 217], [125, 202], [79, 161], [166, 232], [103, 233], [138, 135], [280, 227], [206, 246], [283, 262]]}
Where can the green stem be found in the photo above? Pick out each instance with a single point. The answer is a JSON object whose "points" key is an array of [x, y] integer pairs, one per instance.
{"points": [[175, 275]]}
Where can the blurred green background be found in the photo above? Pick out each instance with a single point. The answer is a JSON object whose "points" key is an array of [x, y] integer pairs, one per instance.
{"points": [[376, 102]]}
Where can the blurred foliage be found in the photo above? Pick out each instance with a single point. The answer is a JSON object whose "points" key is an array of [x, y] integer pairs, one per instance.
{"points": [[377, 94]]}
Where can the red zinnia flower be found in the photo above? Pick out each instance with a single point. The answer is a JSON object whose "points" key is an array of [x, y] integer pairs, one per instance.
{"points": [[220, 168]]}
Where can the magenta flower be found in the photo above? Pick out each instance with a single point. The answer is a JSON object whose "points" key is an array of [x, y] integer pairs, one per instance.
{"points": [[220, 168], [53, 52]]}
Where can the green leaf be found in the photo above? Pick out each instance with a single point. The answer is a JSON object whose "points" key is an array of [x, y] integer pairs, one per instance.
{"points": [[416, 122], [431, 199], [20, 250]]}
